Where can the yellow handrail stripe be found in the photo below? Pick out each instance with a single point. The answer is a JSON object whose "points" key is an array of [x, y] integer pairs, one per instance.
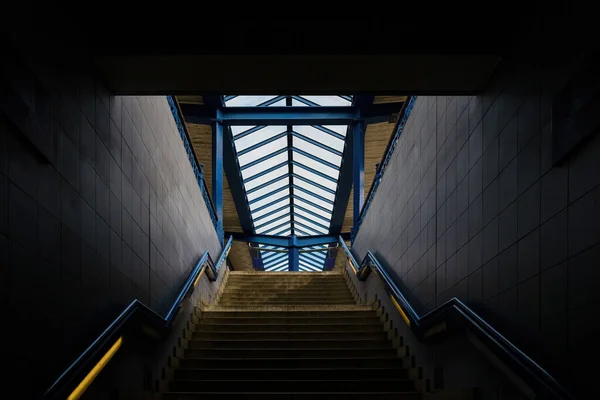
{"points": [[199, 275], [352, 264], [89, 378], [401, 310]]}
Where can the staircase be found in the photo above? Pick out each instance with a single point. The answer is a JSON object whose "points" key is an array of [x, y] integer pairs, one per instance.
{"points": [[290, 336]]}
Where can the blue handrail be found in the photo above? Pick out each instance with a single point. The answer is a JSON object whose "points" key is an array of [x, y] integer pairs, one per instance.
{"points": [[67, 381], [457, 315]]}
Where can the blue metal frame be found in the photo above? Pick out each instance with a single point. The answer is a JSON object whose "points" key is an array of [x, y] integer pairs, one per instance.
{"points": [[278, 115], [217, 176], [358, 170], [317, 212]]}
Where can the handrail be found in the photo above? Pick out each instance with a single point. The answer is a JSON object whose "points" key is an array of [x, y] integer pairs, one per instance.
{"points": [[113, 335], [455, 315]]}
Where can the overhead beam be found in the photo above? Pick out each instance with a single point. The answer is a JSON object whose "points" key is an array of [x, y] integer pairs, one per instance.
{"points": [[217, 175], [285, 241], [358, 166], [240, 116]]}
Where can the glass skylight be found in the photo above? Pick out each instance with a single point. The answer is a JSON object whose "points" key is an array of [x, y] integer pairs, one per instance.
{"points": [[290, 174]]}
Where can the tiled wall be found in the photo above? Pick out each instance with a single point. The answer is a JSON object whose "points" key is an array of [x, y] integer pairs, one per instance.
{"points": [[471, 206], [102, 208]]}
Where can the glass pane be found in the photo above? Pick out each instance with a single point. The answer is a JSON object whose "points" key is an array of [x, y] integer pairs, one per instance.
{"points": [[307, 229], [262, 151], [273, 216], [281, 229], [286, 233], [266, 177], [314, 200], [317, 151], [313, 189], [267, 210], [311, 217], [236, 130], [247, 101], [328, 100], [313, 209], [262, 166], [320, 136], [314, 177], [308, 223], [280, 103], [267, 200], [315, 165], [296, 103], [257, 137], [308, 267], [341, 129], [273, 224]]}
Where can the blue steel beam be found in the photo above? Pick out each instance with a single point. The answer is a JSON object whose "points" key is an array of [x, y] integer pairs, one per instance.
{"points": [[294, 259], [286, 242], [217, 174], [327, 115], [358, 173]]}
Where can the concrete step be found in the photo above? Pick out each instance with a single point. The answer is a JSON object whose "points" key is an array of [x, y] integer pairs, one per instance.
{"points": [[289, 353], [287, 294], [274, 374], [279, 335], [334, 315], [282, 301], [292, 344], [279, 290], [293, 385], [351, 361], [251, 328], [290, 321], [294, 396]]}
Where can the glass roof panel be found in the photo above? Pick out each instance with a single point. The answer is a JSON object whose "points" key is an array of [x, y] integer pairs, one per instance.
{"points": [[313, 209], [315, 178], [309, 162], [258, 136], [282, 193], [296, 103], [313, 189], [320, 136], [317, 151], [247, 101], [341, 129], [328, 100], [314, 200], [236, 130], [316, 158], [269, 209], [266, 177], [264, 165], [263, 150], [276, 222], [311, 217], [309, 224]]}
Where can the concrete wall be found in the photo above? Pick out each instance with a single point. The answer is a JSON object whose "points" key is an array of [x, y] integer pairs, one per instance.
{"points": [[98, 205], [471, 206]]}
